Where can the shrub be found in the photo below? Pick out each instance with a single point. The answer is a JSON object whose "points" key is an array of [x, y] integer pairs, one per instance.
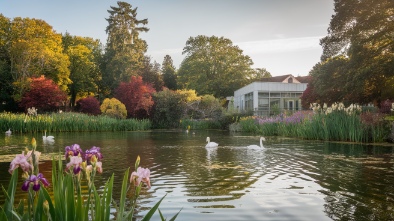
{"points": [[385, 106], [88, 105], [43, 94], [168, 109], [113, 108]]}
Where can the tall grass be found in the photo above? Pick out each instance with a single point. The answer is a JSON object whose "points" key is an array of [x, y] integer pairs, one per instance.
{"points": [[335, 126], [68, 122]]}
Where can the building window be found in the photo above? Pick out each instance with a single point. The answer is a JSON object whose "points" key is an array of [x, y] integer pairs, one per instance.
{"points": [[290, 80], [249, 101]]}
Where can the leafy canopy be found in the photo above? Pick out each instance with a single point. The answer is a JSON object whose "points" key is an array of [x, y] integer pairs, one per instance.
{"points": [[214, 66], [137, 97], [361, 37], [112, 107]]}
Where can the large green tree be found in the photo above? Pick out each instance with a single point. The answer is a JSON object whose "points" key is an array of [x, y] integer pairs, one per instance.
{"points": [[6, 87], [214, 66], [36, 49], [124, 54], [169, 73], [363, 32], [260, 73], [151, 74], [84, 54]]}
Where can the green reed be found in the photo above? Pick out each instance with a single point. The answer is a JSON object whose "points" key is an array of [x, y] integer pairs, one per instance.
{"points": [[336, 126], [68, 122]]}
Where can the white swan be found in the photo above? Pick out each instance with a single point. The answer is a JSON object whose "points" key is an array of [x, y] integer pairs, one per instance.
{"points": [[8, 132], [257, 147], [48, 138], [211, 144]]}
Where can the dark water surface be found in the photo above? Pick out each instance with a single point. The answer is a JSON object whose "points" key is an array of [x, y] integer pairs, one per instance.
{"points": [[289, 180]]}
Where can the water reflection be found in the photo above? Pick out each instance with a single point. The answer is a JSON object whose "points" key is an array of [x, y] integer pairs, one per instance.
{"points": [[289, 180]]}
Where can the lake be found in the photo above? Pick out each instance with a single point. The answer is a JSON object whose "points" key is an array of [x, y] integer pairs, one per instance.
{"points": [[289, 179]]}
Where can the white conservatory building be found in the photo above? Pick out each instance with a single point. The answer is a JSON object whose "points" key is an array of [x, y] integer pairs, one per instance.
{"points": [[271, 96]]}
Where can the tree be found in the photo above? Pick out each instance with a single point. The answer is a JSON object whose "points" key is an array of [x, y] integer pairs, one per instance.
{"points": [[260, 73], [6, 87], [43, 94], [363, 32], [214, 66], [309, 96], [169, 73], [124, 54], [35, 50], [324, 74], [84, 54], [113, 108], [89, 105], [168, 109], [137, 97], [150, 73]]}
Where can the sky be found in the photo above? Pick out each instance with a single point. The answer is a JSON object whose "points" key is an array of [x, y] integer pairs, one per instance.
{"points": [[281, 36]]}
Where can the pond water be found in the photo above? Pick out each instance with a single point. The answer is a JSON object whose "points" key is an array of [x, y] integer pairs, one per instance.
{"points": [[289, 179]]}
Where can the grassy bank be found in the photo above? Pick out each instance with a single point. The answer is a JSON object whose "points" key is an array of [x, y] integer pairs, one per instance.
{"points": [[68, 122]]}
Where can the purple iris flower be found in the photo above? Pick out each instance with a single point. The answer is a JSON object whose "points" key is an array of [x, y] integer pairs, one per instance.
{"points": [[36, 180], [75, 163], [73, 150], [94, 151]]}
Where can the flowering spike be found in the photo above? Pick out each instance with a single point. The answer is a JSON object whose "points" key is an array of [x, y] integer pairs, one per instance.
{"points": [[137, 161], [33, 143]]}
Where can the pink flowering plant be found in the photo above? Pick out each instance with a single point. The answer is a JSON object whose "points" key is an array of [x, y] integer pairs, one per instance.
{"points": [[66, 202]]}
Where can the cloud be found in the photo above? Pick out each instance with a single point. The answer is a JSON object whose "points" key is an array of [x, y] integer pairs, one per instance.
{"points": [[280, 45]]}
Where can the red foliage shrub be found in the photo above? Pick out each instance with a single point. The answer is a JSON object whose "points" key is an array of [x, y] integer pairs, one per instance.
{"points": [[88, 105], [372, 119], [44, 95], [385, 106], [308, 97], [136, 96]]}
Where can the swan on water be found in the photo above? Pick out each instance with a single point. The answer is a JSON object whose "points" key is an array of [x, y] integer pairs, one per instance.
{"points": [[211, 144], [48, 138], [257, 147], [8, 132]]}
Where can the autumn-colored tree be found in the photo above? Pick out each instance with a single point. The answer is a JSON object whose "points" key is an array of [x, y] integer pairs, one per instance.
{"points": [[43, 94], [113, 108], [36, 49], [137, 97], [308, 97], [89, 105]]}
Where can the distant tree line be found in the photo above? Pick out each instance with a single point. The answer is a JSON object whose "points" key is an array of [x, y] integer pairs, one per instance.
{"points": [[51, 71]]}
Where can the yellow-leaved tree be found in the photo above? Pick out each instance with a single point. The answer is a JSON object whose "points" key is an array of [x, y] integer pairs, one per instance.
{"points": [[113, 108]]}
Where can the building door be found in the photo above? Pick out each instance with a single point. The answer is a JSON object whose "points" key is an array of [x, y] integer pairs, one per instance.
{"points": [[290, 105]]}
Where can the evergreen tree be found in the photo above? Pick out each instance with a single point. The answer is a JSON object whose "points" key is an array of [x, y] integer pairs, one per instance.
{"points": [[169, 73], [124, 54]]}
